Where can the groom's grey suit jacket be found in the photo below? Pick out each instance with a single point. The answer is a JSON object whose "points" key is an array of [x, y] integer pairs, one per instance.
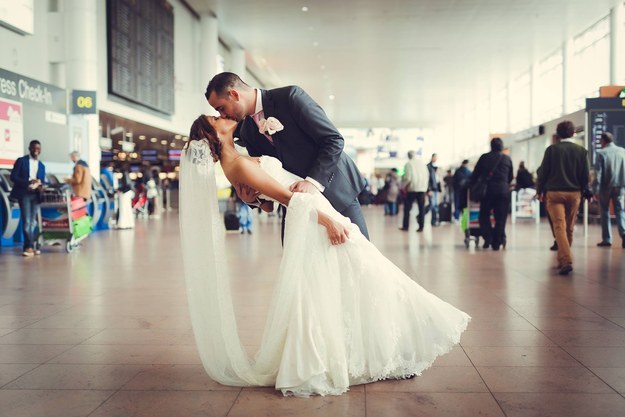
{"points": [[308, 146]]}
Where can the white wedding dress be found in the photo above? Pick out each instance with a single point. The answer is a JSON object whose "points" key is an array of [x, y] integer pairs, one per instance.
{"points": [[341, 315]]}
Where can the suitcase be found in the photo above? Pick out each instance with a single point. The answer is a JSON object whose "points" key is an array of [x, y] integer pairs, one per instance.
{"points": [[444, 212], [231, 220]]}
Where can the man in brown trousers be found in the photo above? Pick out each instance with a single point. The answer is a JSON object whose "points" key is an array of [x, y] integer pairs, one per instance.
{"points": [[563, 175]]}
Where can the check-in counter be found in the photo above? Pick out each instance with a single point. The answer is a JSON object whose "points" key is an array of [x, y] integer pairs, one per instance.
{"points": [[10, 219], [104, 207]]}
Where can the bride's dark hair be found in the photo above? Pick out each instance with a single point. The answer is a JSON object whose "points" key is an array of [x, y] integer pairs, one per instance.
{"points": [[202, 130]]}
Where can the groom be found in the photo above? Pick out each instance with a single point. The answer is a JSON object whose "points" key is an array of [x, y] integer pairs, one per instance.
{"points": [[300, 135]]}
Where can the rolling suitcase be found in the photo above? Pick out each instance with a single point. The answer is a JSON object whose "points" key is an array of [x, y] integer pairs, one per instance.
{"points": [[444, 212], [231, 220]]}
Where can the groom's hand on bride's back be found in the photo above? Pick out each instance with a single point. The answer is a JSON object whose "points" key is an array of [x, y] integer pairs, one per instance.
{"points": [[303, 187]]}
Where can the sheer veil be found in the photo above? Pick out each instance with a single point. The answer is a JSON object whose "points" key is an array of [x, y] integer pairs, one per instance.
{"points": [[208, 287]]}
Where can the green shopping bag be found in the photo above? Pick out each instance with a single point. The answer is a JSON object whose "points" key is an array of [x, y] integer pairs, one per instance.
{"points": [[82, 226]]}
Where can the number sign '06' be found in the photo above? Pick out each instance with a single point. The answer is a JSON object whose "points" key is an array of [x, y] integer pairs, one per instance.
{"points": [[83, 102]]}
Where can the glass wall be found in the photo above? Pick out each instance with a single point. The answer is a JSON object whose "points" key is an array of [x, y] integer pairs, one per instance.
{"points": [[520, 102], [548, 90], [590, 63], [537, 95]]}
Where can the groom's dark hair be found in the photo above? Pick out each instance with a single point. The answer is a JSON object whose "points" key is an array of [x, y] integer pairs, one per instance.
{"points": [[221, 82]]}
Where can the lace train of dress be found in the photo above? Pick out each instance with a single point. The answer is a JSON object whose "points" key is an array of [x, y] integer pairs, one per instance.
{"points": [[340, 315], [345, 315]]}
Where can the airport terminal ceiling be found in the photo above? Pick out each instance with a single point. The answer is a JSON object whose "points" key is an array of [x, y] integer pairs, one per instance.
{"points": [[397, 63]]}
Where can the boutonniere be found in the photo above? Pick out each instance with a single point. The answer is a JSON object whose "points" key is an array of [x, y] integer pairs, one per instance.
{"points": [[269, 126]]}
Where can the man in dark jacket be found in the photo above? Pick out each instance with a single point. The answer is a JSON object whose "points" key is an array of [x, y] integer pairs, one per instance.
{"points": [[497, 169], [28, 176], [434, 187], [461, 181], [563, 175]]}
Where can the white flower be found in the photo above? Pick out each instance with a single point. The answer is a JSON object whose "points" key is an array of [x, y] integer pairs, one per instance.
{"points": [[270, 126]]}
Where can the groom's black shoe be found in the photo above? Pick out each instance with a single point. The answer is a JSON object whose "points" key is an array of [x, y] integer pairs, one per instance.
{"points": [[403, 229]]}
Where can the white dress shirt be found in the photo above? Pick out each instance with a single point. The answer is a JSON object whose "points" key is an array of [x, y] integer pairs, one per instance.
{"points": [[33, 167]]}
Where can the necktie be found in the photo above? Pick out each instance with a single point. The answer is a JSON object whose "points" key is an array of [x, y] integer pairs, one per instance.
{"points": [[257, 117]]}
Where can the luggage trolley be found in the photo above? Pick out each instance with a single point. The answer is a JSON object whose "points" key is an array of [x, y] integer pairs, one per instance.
{"points": [[470, 222], [62, 219]]}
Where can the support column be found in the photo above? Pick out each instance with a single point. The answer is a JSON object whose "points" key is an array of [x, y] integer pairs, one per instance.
{"points": [[81, 73], [209, 42], [237, 62], [617, 43]]}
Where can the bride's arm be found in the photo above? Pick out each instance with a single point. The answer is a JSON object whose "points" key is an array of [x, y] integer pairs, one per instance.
{"points": [[248, 172]]}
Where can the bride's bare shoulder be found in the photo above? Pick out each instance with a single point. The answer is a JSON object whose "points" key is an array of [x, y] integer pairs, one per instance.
{"points": [[241, 167]]}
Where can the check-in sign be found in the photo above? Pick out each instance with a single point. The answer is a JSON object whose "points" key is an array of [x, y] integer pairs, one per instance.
{"points": [[83, 102]]}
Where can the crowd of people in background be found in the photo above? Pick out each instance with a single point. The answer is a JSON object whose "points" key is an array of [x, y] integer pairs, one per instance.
{"points": [[561, 183]]}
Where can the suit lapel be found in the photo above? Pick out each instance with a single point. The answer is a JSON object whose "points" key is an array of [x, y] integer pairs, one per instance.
{"points": [[269, 110], [256, 142]]}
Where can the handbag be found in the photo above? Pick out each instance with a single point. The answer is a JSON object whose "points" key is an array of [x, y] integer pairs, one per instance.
{"points": [[477, 191]]}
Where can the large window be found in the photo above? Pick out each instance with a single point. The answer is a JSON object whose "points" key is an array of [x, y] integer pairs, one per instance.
{"points": [[548, 98], [590, 63], [520, 102], [499, 111]]}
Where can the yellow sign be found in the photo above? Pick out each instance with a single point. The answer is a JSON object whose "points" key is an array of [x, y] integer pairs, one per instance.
{"points": [[83, 102]]}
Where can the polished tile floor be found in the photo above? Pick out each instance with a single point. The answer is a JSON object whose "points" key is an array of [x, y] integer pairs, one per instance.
{"points": [[104, 331]]}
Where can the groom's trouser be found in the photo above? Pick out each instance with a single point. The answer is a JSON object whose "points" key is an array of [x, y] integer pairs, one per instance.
{"points": [[353, 211]]}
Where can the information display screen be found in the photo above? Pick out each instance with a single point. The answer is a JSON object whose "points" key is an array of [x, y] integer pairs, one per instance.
{"points": [[174, 154], [605, 115], [149, 155], [141, 52]]}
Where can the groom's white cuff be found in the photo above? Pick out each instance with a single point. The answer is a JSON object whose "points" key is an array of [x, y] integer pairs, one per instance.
{"points": [[315, 183]]}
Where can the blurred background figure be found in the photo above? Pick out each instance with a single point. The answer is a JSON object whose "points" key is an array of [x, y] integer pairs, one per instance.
{"points": [[610, 186], [391, 188], [81, 177], [524, 178], [415, 184], [434, 187], [497, 168], [564, 174], [244, 212], [461, 181]]}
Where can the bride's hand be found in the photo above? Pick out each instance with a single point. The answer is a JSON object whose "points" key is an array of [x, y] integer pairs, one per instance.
{"points": [[337, 232], [246, 193]]}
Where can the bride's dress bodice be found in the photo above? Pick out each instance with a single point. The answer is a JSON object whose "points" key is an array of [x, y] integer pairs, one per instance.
{"points": [[273, 167]]}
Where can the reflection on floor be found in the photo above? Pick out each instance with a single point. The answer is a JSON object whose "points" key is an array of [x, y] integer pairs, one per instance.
{"points": [[105, 331]]}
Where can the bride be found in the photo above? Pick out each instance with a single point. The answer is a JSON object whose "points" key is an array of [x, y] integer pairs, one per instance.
{"points": [[342, 314]]}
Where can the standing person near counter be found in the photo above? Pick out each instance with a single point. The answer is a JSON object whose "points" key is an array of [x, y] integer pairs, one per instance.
{"points": [[28, 176], [81, 177]]}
